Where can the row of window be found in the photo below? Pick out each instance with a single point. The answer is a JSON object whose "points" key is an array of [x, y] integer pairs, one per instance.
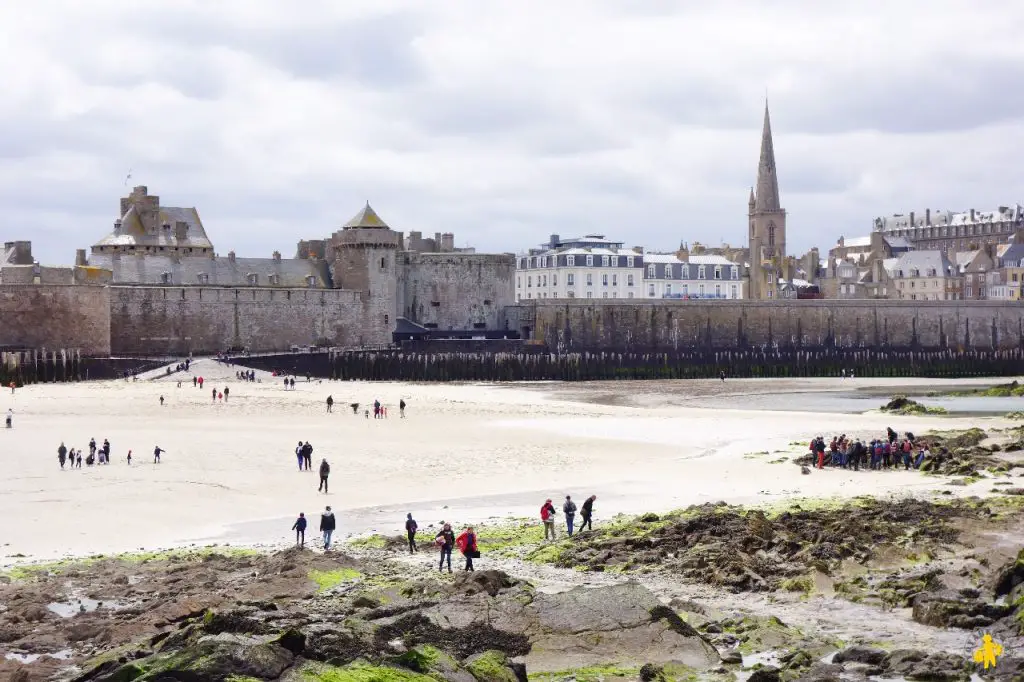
{"points": [[684, 292], [252, 279], [668, 271], [953, 230], [570, 280], [570, 261]]}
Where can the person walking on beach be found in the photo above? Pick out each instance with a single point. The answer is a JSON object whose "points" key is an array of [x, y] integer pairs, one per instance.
{"points": [[129, 458], [106, 451], [156, 454], [10, 418], [410, 531], [300, 454], [226, 392], [78, 459], [325, 471], [300, 530], [292, 384], [467, 545], [330, 404], [92, 446], [161, 401], [445, 540], [569, 509], [587, 512], [307, 455], [327, 525], [200, 382], [401, 408], [547, 515], [62, 455]]}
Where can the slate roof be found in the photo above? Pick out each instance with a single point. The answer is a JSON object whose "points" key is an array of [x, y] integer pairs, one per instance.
{"points": [[1012, 256], [219, 271], [132, 233], [922, 261], [367, 217]]}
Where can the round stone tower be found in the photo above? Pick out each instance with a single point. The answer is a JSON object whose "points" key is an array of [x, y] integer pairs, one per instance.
{"points": [[362, 258]]}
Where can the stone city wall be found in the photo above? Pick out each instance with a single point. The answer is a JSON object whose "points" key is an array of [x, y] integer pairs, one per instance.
{"points": [[54, 316], [456, 291], [179, 320], [668, 325]]}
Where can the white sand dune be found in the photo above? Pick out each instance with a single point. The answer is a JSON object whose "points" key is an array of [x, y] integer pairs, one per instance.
{"points": [[232, 462]]}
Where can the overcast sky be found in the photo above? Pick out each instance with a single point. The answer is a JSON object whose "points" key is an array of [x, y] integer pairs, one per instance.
{"points": [[503, 121]]}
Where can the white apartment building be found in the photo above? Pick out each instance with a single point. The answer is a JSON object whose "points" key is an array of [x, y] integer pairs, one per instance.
{"points": [[666, 276], [595, 267]]}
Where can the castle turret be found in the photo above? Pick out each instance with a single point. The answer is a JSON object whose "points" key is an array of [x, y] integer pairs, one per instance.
{"points": [[362, 259]]}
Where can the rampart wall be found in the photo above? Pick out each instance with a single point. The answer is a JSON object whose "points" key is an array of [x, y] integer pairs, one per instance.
{"points": [[55, 316], [456, 290], [675, 325], [179, 320]]}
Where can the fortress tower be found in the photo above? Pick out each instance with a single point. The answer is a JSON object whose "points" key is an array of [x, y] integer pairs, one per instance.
{"points": [[767, 221], [362, 258]]}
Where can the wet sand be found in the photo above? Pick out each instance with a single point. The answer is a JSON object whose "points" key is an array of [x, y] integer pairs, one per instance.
{"points": [[465, 453]]}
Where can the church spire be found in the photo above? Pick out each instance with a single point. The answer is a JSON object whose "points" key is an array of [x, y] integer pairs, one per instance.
{"points": [[767, 194]]}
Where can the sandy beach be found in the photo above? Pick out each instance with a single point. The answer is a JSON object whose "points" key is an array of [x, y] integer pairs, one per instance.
{"points": [[465, 452]]}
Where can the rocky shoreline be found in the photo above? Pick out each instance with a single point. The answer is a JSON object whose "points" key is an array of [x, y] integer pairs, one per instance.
{"points": [[809, 591], [708, 593]]}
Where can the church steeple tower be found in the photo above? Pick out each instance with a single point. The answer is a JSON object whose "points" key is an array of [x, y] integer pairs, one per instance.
{"points": [[767, 181], [767, 221]]}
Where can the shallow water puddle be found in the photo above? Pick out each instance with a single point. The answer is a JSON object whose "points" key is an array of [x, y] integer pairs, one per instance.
{"points": [[62, 655], [77, 605]]}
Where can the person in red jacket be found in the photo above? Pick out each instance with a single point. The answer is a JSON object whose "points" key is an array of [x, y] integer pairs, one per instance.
{"points": [[547, 515], [467, 545]]}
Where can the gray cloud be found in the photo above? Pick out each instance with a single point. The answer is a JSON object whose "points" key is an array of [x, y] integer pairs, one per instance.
{"points": [[503, 122]]}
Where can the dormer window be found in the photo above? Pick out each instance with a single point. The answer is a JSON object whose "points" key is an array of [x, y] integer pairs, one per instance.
{"points": [[203, 278], [311, 281], [252, 278], [165, 278], [274, 279]]}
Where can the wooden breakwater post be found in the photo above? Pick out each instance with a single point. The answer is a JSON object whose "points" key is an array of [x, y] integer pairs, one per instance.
{"points": [[34, 366], [604, 365]]}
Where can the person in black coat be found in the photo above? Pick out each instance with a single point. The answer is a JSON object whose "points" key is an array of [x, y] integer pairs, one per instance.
{"points": [[325, 471], [586, 512], [300, 530]]}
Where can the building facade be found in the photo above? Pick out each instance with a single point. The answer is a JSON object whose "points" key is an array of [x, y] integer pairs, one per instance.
{"points": [[952, 232], [595, 267], [925, 276]]}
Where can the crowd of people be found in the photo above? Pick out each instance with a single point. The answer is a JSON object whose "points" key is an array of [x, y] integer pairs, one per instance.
{"points": [[890, 452], [445, 540], [73, 458]]}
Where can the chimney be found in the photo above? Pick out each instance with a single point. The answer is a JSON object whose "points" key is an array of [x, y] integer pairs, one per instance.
{"points": [[842, 241], [80, 257], [927, 216], [638, 249], [972, 215], [277, 255], [447, 242], [437, 241], [181, 231], [553, 241], [117, 226], [912, 223], [231, 256]]}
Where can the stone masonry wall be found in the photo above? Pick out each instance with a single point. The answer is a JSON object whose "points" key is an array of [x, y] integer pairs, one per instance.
{"points": [[456, 291], [735, 324], [54, 316], [179, 320]]}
